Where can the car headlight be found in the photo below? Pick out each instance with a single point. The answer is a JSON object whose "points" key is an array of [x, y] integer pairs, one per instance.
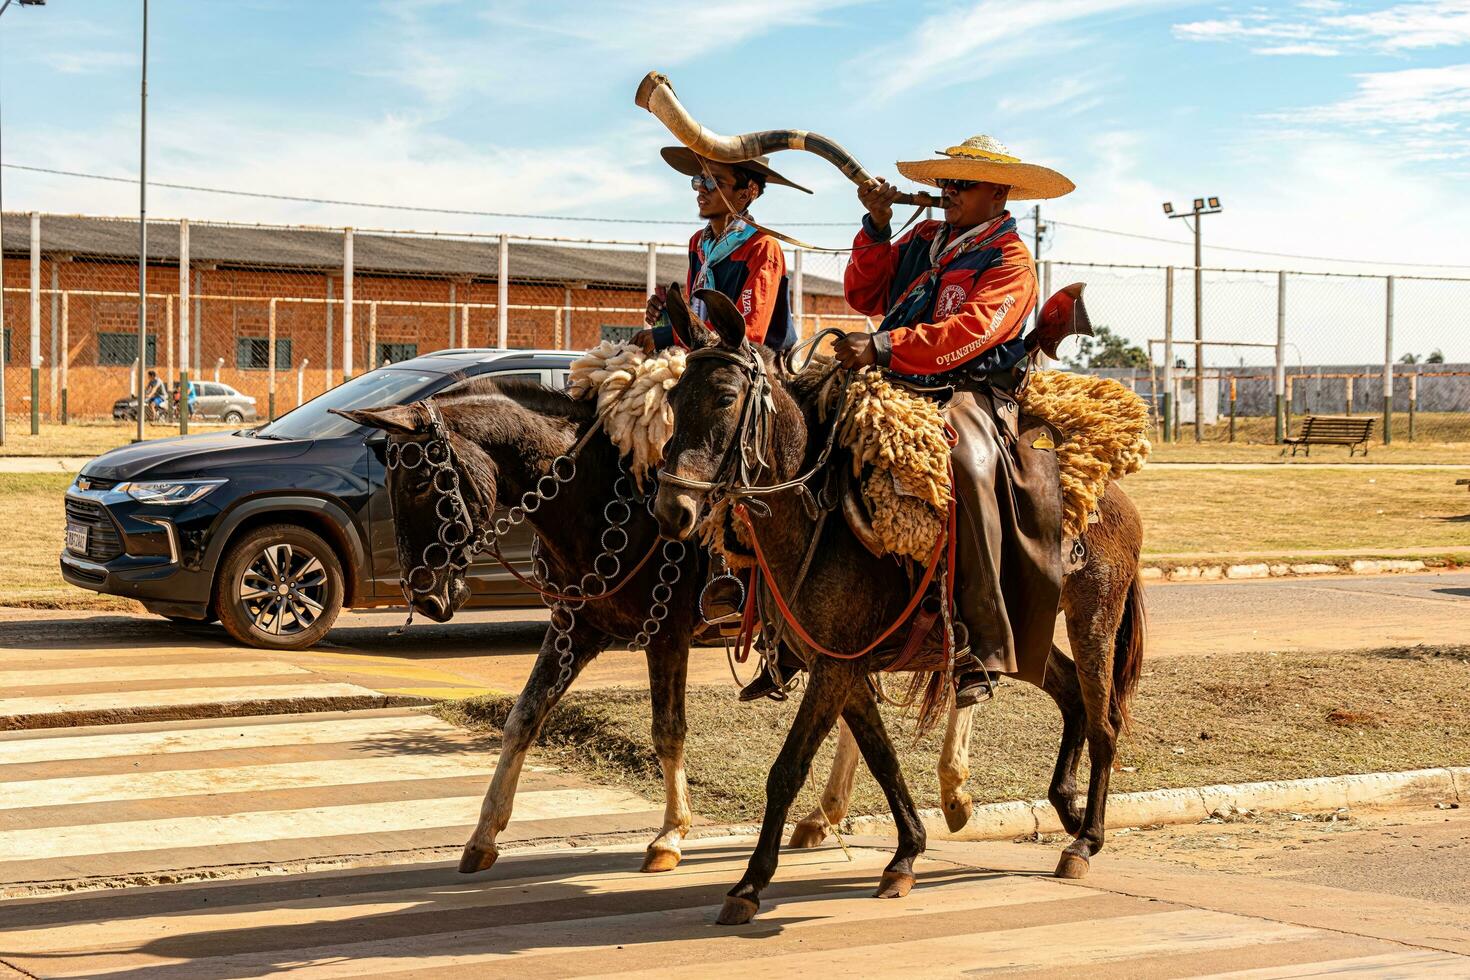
{"points": [[172, 491]]}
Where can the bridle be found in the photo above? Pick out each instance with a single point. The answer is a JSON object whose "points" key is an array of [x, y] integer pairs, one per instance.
{"points": [[749, 452]]}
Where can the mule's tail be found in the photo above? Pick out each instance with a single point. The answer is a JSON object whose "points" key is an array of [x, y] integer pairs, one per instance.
{"points": [[1128, 653]]}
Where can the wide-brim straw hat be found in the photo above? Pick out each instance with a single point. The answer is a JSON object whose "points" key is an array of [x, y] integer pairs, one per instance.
{"points": [[686, 161], [985, 158]]}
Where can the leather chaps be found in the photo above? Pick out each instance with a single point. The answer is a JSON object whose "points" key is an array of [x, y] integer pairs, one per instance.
{"points": [[1009, 574]]}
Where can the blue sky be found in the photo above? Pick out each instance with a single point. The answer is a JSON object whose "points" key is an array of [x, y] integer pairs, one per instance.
{"points": [[1328, 128]]}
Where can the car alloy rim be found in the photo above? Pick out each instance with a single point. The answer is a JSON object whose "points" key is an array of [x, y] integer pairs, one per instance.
{"points": [[284, 590]]}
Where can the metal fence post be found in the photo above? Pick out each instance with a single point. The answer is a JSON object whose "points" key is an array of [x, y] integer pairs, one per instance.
{"points": [[652, 267], [55, 320], [35, 323], [301, 380], [1347, 394], [464, 325], [453, 305], [168, 343], [347, 304], [65, 351], [1281, 358], [328, 344], [1168, 354], [4, 351], [271, 358], [199, 325], [502, 294], [799, 299], [1413, 399], [1388, 364], [372, 348], [184, 327]]}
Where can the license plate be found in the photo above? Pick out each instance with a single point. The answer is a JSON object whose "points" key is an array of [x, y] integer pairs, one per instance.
{"points": [[76, 538]]}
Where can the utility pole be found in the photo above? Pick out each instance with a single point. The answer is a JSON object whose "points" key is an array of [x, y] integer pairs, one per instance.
{"points": [[143, 231], [1202, 207], [1037, 230]]}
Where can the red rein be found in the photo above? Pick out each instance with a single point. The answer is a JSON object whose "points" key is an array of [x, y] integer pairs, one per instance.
{"points": [[946, 543]]}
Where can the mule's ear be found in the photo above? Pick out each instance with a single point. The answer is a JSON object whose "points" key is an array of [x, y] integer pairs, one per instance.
{"points": [[688, 328], [723, 316], [402, 420]]}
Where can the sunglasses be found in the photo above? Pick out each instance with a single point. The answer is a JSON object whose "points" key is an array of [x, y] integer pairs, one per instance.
{"points": [[946, 184], [703, 183]]}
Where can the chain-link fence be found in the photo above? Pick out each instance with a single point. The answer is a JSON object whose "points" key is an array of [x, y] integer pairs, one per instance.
{"points": [[256, 319]]}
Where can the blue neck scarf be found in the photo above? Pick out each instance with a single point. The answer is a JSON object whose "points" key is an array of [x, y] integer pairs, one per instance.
{"points": [[711, 250]]}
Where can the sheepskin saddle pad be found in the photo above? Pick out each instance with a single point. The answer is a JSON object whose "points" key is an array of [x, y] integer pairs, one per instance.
{"points": [[895, 438]]}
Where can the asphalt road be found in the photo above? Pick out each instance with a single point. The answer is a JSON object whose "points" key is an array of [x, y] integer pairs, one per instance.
{"points": [[494, 649]]}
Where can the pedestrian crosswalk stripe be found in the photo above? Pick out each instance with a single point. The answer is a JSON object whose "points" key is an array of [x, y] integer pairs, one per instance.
{"points": [[280, 730], [10, 680], [239, 779], [176, 697], [265, 825]]}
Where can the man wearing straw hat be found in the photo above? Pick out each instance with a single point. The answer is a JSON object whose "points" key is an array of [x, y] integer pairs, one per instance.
{"points": [[954, 296], [730, 253]]}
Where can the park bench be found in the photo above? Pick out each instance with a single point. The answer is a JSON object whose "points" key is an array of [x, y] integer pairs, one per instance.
{"points": [[1331, 430], [1462, 483]]}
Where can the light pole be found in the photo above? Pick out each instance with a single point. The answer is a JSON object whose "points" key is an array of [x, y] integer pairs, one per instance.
{"points": [[1202, 207], [143, 226], [4, 7]]}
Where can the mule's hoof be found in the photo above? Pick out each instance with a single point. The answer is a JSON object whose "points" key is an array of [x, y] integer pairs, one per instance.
{"points": [[807, 835], [957, 813], [658, 859], [737, 911], [1072, 866], [473, 859], [894, 884]]}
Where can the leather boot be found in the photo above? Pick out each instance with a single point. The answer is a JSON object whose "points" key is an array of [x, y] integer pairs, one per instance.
{"points": [[766, 686]]}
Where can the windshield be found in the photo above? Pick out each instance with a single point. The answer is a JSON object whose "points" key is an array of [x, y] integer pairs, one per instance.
{"points": [[385, 386]]}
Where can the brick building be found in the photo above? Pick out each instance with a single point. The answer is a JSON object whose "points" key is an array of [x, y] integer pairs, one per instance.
{"points": [[411, 294]]}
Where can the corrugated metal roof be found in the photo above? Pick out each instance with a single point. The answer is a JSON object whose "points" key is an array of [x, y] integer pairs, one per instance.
{"points": [[409, 255]]}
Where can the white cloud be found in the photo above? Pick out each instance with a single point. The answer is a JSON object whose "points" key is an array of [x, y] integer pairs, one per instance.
{"points": [[1405, 98], [1320, 25], [1309, 48], [982, 39], [81, 62], [1059, 96]]}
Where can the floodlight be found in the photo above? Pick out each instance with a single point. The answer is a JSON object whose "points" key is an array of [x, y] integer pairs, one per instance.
{"points": [[1168, 208], [1199, 204], [1214, 202]]}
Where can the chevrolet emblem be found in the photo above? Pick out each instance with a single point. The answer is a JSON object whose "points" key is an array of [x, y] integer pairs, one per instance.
{"points": [[84, 484]]}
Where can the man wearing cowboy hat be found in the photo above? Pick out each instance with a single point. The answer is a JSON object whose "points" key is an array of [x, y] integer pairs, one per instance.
{"points": [[729, 254], [954, 296]]}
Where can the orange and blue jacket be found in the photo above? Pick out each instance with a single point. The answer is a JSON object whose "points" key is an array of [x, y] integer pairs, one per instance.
{"points": [[754, 278], [979, 301]]}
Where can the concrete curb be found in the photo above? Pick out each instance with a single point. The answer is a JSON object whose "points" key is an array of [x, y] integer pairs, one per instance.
{"points": [[192, 712], [1192, 804], [1251, 570]]}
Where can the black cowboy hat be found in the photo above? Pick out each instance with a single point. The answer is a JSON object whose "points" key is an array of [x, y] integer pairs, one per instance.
{"points": [[686, 161]]}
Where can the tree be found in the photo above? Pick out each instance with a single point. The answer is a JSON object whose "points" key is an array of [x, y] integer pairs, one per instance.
{"points": [[1435, 357], [1409, 359], [1107, 350]]}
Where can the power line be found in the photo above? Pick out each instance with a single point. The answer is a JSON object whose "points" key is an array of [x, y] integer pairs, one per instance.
{"points": [[229, 192], [460, 212]]}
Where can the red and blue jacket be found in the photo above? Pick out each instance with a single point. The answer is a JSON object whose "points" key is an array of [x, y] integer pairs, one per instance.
{"points": [[754, 278], [979, 300]]}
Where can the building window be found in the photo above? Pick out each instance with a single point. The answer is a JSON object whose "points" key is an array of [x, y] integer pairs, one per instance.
{"points": [[396, 353], [116, 349], [617, 334], [253, 353]]}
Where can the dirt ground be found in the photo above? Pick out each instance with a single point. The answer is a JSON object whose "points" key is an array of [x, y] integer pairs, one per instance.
{"points": [[1197, 720]]}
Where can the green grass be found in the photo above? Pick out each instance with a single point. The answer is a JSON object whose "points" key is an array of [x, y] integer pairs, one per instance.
{"points": [[1197, 720]]}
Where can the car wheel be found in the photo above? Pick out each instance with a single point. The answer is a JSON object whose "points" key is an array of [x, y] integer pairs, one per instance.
{"points": [[279, 587], [233, 417]]}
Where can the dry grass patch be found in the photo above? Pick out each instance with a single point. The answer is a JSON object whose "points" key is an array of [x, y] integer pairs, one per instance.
{"points": [[31, 540], [91, 438], [1198, 720], [1299, 510]]}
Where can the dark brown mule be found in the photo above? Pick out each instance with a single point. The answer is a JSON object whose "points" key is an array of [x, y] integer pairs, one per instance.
{"points": [[849, 597], [504, 437]]}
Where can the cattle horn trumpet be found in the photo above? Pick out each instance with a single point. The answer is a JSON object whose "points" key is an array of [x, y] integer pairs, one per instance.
{"points": [[656, 94]]}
